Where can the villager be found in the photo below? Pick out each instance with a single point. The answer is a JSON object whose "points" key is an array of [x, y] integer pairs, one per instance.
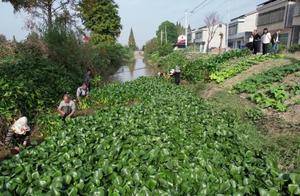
{"points": [[249, 45], [177, 75], [18, 133], [266, 40], [82, 91], [88, 78], [275, 42], [256, 42], [66, 107]]}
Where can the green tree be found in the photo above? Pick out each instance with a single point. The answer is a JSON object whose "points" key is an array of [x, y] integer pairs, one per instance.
{"points": [[167, 32], [2, 39], [131, 41], [180, 28], [102, 19], [151, 46]]}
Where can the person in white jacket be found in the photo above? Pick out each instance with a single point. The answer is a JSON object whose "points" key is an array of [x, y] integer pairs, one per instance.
{"points": [[266, 40]]}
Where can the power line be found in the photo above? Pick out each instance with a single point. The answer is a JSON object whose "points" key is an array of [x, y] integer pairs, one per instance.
{"points": [[198, 6]]}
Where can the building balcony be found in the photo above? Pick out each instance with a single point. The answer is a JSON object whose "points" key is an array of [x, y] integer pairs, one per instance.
{"points": [[199, 41]]}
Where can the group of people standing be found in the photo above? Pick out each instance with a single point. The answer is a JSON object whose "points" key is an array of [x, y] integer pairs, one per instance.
{"points": [[269, 43], [19, 132]]}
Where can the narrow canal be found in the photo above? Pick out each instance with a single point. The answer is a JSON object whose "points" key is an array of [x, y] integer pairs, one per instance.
{"points": [[131, 72]]}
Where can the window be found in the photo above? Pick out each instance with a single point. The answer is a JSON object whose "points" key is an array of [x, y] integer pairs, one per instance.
{"points": [[189, 37], [283, 38], [232, 30], [297, 10], [271, 17], [199, 35]]}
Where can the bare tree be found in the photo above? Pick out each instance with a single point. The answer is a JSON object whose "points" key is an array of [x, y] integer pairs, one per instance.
{"points": [[45, 10], [221, 42], [212, 22]]}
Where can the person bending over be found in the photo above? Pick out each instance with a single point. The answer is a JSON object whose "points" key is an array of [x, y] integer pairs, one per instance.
{"points": [[66, 107], [82, 91], [18, 133]]}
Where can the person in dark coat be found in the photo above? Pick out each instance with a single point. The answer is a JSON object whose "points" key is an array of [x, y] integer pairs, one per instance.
{"points": [[256, 42], [177, 75], [88, 78]]}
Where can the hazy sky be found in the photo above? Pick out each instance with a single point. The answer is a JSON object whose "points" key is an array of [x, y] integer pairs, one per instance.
{"points": [[143, 16]]}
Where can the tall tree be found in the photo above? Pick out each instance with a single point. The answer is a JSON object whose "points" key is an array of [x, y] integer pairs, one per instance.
{"points": [[151, 46], [2, 39], [45, 10], [167, 32], [180, 28], [102, 19], [131, 41], [212, 22]]}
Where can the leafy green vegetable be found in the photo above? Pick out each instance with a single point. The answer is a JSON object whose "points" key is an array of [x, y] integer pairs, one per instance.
{"points": [[230, 70], [149, 137]]}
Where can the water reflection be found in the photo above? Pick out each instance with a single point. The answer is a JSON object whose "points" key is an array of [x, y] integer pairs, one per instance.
{"points": [[134, 71]]}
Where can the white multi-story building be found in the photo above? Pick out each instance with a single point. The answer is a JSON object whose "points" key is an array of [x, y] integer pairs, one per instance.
{"points": [[296, 24], [280, 15], [199, 38], [240, 29]]}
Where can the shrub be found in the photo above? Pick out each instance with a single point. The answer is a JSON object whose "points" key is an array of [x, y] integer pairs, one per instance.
{"points": [[48, 65], [294, 48]]}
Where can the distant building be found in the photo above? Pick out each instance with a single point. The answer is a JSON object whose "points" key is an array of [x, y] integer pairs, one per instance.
{"points": [[198, 38], [240, 29], [296, 24], [279, 15]]}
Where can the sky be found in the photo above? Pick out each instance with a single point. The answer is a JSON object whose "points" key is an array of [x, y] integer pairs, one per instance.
{"points": [[144, 16]]}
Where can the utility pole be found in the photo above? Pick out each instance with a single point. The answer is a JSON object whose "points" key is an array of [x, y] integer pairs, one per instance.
{"points": [[166, 34], [186, 28], [227, 25], [161, 37]]}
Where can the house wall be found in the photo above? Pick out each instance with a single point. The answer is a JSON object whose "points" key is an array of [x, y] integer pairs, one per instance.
{"points": [[249, 23], [200, 37], [285, 25], [245, 25], [271, 7], [296, 20], [215, 43]]}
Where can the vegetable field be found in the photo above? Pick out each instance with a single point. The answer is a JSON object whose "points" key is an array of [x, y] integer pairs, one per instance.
{"points": [[216, 68], [268, 89], [148, 137], [229, 69]]}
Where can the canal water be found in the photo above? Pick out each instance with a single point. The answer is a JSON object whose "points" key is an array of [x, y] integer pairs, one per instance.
{"points": [[131, 72]]}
